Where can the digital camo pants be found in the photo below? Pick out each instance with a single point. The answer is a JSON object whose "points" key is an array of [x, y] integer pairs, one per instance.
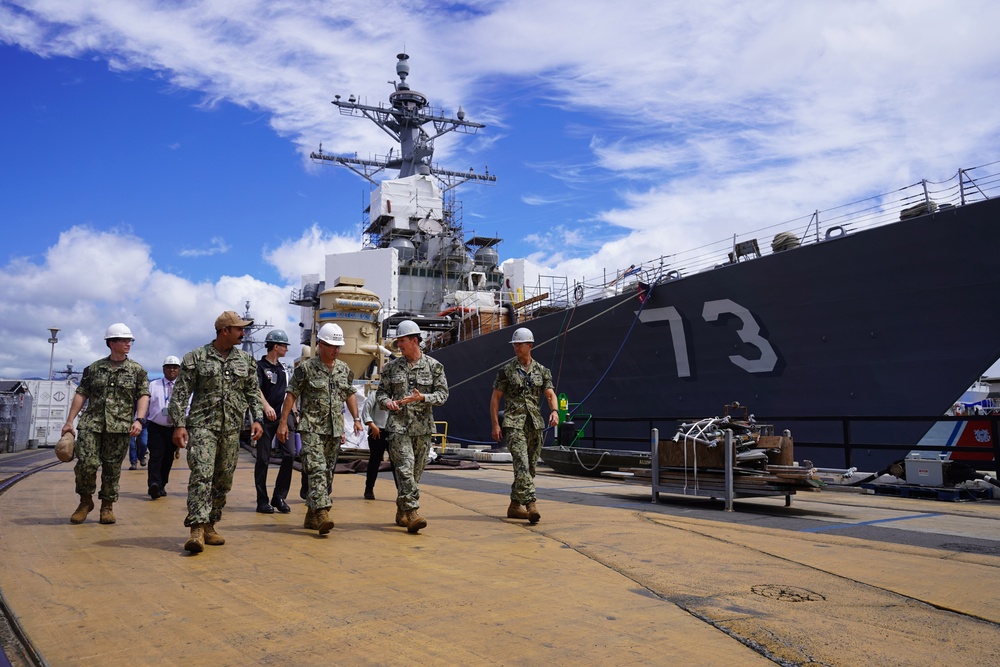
{"points": [[319, 458], [103, 450], [212, 458], [409, 454], [524, 445]]}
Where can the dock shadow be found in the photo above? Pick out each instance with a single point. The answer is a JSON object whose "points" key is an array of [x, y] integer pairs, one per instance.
{"points": [[171, 544], [702, 507], [43, 521]]}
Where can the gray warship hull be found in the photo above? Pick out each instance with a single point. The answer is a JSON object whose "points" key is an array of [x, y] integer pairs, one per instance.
{"points": [[896, 320]]}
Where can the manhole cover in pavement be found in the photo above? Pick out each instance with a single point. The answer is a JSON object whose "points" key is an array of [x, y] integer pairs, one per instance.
{"points": [[786, 593]]}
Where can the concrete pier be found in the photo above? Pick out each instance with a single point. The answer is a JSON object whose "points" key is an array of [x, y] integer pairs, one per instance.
{"points": [[606, 578]]}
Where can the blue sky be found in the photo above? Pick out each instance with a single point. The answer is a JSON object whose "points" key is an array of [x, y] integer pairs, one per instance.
{"points": [[155, 163]]}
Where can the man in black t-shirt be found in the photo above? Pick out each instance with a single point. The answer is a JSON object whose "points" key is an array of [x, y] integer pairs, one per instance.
{"points": [[273, 381]]}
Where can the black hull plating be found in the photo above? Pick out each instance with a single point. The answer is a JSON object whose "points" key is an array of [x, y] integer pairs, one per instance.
{"points": [[897, 320]]}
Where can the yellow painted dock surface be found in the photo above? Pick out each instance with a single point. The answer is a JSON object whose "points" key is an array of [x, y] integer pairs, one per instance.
{"points": [[606, 578]]}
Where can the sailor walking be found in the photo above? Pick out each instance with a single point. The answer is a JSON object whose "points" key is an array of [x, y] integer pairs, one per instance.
{"points": [[521, 383], [411, 386]]}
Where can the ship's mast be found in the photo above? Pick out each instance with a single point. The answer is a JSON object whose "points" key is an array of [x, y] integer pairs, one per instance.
{"points": [[404, 120], [251, 344]]}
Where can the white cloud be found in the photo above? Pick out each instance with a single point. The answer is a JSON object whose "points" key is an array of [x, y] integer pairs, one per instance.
{"points": [[307, 254], [542, 200], [90, 279], [218, 246], [85, 271]]}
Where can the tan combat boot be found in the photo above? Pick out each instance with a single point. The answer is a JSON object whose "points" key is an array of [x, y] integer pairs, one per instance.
{"points": [[83, 509], [533, 515], [310, 521], [211, 537], [401, 518], [324, 524], [196, 543], [414, 522], [107, 513], [516, 511]]}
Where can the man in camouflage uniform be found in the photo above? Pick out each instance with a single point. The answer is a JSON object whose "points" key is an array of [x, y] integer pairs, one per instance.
{"points": [[116, 391], [321, 385], [221, 381], [521, 382], [411, 385]]}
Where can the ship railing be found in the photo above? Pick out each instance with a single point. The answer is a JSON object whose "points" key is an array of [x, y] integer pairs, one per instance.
{"points": [[467, 319], [965, 187], [623, 433], [469, 309], [564, 293], [849, 442]]}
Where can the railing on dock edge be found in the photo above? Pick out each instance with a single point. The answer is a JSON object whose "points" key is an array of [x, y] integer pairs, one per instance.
{"points": [[667, 426]]}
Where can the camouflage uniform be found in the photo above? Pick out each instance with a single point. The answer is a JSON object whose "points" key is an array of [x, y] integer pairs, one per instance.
{"points": [[321, 392], [223, 388], [112, 391], [409, 429], [523, 425]]}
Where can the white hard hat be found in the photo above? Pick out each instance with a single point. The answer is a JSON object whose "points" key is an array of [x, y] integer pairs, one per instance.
{"points": [[331, 334], [407, 328], [522, 335], [171, 361], [118, 330]]}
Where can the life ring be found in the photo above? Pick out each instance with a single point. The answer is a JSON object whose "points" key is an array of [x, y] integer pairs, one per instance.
{"points": [[578, 293]]}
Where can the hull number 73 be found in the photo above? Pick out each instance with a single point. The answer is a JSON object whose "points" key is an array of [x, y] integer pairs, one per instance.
{"points": [[749, 333]]}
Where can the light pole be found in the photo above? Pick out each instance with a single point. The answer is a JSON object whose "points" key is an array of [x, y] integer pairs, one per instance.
{"points": [[52, 340]]}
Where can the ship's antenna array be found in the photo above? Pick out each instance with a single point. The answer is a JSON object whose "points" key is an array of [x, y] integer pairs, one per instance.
{"points": [[405, 119]]}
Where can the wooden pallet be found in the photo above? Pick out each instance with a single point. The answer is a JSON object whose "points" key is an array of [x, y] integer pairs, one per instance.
{"points": [[952, 494]]}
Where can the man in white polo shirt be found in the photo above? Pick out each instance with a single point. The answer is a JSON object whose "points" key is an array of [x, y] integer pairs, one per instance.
{"points": [[160, 428]]}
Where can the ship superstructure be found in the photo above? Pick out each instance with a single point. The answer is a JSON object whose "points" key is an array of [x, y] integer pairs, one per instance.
{"points": [[417, 257]]}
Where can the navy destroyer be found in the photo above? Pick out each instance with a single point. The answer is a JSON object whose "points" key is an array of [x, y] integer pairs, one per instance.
{"points": [[883, 307]]}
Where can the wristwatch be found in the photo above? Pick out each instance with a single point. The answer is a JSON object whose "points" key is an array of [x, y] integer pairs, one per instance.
{"points": [[141, 420]]}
